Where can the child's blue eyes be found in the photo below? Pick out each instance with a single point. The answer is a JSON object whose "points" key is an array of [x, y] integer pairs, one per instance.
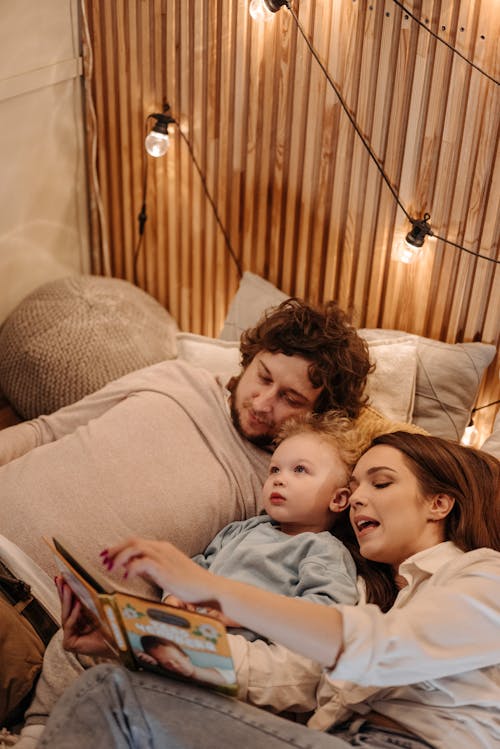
{"points": [[297, 469]]}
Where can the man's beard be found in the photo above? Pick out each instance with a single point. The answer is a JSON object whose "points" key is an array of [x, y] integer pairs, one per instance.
{"points": [[260, 440]]}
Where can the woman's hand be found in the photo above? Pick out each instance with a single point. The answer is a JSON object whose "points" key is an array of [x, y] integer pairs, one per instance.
{"points": [[81, 631], [308, 628], [164, 565]]}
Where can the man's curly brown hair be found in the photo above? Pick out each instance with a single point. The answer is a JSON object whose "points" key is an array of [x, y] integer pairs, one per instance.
{"points": [[323, 336]]}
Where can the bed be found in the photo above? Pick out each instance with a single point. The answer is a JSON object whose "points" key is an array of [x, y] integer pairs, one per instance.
{"points": [[72, 336]]}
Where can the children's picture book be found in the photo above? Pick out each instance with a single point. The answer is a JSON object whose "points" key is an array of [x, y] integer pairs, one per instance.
{"points": [[148, 634]]}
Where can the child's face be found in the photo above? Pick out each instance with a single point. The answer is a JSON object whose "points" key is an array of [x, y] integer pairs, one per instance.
{"points": [[170, 657], [302, 491]]}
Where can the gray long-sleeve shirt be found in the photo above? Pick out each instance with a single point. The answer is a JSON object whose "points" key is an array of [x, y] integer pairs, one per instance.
{"points": [[315, 566]]}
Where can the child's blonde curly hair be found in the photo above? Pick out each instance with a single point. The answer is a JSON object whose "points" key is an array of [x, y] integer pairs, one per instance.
{"points": [[351, 437]]}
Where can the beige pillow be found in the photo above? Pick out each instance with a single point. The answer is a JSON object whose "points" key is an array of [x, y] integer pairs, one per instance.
{"points": [[253, 297], [448, 375], [71, 336], [448, 380], [391, 387]]}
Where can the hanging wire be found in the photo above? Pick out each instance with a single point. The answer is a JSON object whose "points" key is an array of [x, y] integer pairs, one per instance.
{"points": [[87, 78], [486, 405], [367, 144], [443, 41], [210, 200], [142, 217]]}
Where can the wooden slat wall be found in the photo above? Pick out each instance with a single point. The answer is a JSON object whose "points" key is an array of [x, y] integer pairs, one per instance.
{"points": [[300, 199]]}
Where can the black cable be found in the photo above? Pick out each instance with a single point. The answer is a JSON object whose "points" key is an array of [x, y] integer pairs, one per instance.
{"points": [[366, 143], [348, 113], [142, 217], [443, 41], [486, 405], [210, 200]]}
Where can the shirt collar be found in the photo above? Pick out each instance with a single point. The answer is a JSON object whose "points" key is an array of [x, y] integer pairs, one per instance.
{"points": [[430, 560]]}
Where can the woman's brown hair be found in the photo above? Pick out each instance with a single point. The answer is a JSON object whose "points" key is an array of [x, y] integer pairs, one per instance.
{"points": [[470, 476], [441, 466]]}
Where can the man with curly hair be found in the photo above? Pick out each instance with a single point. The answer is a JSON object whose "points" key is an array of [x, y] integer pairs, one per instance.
{"points": [[172, 451], [297, 359], [115, 461]]}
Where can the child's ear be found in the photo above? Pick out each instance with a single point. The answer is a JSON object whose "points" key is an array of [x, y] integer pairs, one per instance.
{"points": [[340, 499]]}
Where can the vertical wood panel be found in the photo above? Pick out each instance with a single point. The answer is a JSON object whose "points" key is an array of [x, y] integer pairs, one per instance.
{"points": [[302, 202]]}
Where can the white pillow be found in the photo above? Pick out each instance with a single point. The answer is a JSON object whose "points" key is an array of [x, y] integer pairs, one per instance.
{"points": [[448, 374], [391, 387], [219, 357]]}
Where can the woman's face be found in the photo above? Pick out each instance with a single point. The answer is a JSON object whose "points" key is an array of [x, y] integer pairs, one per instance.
{"points": [[391, 517]]}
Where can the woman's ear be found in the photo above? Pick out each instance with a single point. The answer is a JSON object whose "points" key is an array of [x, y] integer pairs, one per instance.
{"points": [[440, 505], [340, 499]]}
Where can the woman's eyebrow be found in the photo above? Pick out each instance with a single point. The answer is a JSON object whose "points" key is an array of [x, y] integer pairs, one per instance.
{"points": [[370, 472], [374, 469]]}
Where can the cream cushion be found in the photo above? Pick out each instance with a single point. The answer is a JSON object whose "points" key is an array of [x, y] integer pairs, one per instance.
{"points": [[71, 336], [391, 387], [448, 375]]}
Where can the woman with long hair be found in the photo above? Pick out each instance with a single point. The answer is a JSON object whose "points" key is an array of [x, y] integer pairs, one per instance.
{"points": [[421, 669]]}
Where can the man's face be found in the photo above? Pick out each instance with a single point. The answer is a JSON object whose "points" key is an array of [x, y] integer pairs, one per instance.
{"points": [[273, 388]]}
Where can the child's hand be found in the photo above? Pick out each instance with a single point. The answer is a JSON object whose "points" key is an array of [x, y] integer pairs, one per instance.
{"points": [[174, 601], [217, 614], [81, 631]]}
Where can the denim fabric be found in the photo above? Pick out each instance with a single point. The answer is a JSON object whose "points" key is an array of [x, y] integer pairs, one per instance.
{"points": [[360, 733], [111, 707]]}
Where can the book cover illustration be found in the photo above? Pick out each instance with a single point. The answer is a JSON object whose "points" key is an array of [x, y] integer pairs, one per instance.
{"points": [[150, 634]]}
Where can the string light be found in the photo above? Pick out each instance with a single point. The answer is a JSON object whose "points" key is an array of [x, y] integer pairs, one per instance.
{"points": [[471, 433], [264, 10], [368, 146], [410, 247], [157, 140], [157, 147]]}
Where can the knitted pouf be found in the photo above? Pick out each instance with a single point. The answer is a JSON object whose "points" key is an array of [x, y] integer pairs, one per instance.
{"points": [[70, 337]]}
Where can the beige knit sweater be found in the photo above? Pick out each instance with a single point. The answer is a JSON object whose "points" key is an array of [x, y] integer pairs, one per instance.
{"points": [[153, 453]]}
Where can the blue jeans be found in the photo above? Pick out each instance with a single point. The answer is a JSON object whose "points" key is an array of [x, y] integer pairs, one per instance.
{"points": [[110, 707], [359, 733]]}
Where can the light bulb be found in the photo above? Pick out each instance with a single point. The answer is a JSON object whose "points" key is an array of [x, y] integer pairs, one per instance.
{"points": [[157, 143], [470, 436], [260, 10], [406, 252], [410, 247]]}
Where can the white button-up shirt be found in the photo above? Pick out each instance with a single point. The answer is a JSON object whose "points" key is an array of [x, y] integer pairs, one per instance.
{"points": [[431, 663]]}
